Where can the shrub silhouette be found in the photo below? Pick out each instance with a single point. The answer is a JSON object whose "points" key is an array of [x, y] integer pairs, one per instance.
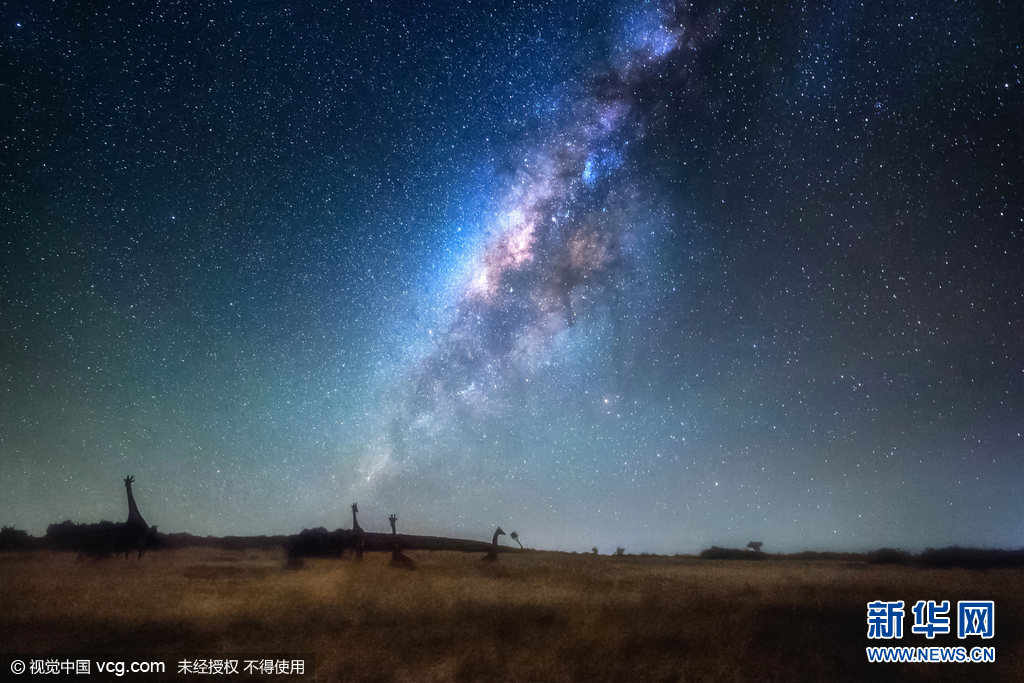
{"points": [[890, 556], [102, 539], [716, 553], [971, 558], [16, 539], [320, 542]]}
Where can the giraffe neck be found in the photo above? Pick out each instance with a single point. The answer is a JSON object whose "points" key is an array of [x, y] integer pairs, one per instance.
{"points": [[355, 522], [134, 517]]}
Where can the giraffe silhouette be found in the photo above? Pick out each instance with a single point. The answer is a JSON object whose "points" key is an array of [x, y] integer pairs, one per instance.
{"points": [[134, 516], [357, 531], [134, 534], [492, 554], [355, 522], [398, 558]]}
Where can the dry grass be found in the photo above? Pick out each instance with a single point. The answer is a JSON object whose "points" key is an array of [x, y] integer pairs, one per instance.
{"points": [[528, 617]]}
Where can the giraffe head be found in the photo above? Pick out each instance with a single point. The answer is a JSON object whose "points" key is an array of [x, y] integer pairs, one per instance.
{"points": [[355, 508], [128, 481], [499, 532]]}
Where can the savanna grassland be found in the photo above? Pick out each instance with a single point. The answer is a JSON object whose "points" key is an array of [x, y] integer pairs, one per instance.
{"points": [[527, 617]]}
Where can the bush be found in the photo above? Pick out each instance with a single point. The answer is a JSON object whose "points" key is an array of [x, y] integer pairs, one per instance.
{"points": [[15, 539], [716, 553], [890, 556], [101, 539], [971, 558], [320, 542]]}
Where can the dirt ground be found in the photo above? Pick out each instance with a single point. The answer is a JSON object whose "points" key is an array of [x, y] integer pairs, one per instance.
{"points": [[526, 617]]}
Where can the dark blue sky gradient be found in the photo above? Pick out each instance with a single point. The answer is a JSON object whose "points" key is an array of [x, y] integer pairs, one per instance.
{"points": [[651, 275]]}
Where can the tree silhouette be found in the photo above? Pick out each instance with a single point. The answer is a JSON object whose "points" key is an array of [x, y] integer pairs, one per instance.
{"points": [[515, 537]]}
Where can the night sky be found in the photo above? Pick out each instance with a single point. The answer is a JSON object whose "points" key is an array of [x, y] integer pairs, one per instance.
{"points": [[634, 274]]}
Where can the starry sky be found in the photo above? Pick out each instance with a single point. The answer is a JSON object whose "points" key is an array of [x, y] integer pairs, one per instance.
{"points": [[657, 275]]}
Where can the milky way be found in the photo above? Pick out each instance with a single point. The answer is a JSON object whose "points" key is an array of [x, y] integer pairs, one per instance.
{"points": [[564, 271]]}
